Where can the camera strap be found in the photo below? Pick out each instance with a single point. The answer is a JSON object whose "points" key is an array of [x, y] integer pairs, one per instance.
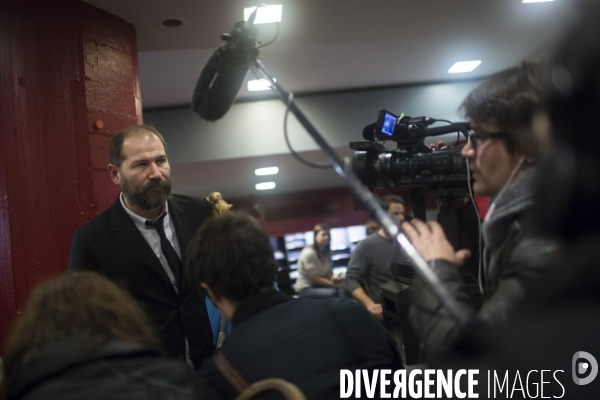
{"points": [[229, 372]]}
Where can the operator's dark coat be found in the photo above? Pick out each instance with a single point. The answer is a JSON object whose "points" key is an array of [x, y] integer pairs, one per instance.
{"points": [[112, 245], [519, 256]]}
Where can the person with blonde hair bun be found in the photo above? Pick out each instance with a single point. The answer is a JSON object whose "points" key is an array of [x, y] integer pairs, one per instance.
{"points": [[218, 204], [220, 326]]}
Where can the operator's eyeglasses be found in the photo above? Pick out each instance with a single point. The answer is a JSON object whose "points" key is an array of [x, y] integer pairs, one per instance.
{"points": [[477, 139]]}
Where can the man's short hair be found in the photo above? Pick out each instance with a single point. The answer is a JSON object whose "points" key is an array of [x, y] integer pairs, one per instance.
{"points": [[232, 254], [115, 147], [388, 199], [507, 100]]}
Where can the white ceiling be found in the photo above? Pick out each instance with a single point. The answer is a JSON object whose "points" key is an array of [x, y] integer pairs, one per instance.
{"points": [[339, 44], [328, 45]]}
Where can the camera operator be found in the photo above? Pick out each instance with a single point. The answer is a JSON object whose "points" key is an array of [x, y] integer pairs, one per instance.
{"points": [[500, 153], [561, 319], [370, 264]]}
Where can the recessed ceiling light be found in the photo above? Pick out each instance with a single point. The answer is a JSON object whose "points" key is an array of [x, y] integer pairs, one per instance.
{"points": [[265, 186], [172, 22], [265, 14], [535, 1], [266, 171], [259, 84], [464, 66]]}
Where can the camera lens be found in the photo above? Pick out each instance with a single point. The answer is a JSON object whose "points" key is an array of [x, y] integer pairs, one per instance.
{"points": [[384, 169]]}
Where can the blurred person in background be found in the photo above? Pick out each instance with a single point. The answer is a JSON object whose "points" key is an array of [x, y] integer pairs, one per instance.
{"points": [[315, 277], [82, 337], [370, 264]]}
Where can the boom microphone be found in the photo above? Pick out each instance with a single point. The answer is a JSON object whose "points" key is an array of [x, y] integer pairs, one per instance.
{"points": [[223, 74]]}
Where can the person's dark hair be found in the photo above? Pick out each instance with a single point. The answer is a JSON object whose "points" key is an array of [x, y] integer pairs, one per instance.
{"points": [[568, 191], [82, 305], [115, 147], [507, 100], [232, 254], [388, 199], [318, 228]]}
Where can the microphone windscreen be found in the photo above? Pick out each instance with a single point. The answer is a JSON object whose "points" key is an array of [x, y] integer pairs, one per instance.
{"points": [[205, 80], [220, 80], [223, 91]]}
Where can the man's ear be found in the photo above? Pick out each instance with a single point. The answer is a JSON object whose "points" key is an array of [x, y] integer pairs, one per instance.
{"points": [[215, 299], [114, 174]]}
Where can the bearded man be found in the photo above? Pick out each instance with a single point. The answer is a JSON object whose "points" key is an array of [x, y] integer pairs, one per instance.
{"points": [[139, 242]]}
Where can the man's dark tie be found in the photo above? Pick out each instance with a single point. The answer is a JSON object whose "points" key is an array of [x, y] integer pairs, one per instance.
{"points": [[167, 248]]}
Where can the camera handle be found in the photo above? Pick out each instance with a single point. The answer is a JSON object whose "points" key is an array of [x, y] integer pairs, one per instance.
{"points": [[417, 200], [448, 215], [360, 191]]}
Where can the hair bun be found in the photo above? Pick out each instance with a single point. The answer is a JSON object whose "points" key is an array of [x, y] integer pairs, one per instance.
{"points": [[217, 203]]}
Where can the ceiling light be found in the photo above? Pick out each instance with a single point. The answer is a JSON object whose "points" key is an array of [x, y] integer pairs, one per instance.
{"points": [[266, 171], [535, 1], [259, 84], [464, 66], [266, 14], [265, 186]]}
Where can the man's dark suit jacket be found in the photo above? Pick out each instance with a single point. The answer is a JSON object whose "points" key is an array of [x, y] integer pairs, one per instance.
{"points": [[112, 245]]}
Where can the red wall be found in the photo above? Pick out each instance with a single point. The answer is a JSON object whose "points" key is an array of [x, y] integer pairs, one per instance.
{"points": [[63, 65], [343, 210], [112, 91], [483, 204]]}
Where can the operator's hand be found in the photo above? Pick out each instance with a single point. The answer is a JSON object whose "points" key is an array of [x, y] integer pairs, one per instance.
{"points": [[376, 310], [431, 243], [439, 146]]}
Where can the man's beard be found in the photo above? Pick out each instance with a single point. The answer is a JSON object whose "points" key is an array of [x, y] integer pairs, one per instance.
{"points": [[149, 196]]}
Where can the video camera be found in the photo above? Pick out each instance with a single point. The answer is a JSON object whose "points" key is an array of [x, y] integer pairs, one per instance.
{"points": [[442, 174], [413, 163]]}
